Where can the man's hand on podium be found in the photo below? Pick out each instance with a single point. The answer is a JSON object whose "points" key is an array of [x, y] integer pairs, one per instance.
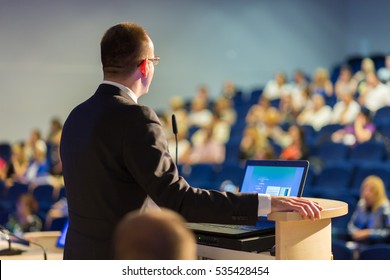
{"points": [[306, 208]]}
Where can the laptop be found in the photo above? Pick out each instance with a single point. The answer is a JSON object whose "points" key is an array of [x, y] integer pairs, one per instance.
{"points": [[62, 238], [273, 177]]}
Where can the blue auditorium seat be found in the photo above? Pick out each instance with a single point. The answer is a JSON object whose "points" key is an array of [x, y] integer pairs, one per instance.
{"points": [[375, 252], [331, 151], [201, 175], [230, 172], [255, 96], [325, 133], [382, 116], [57, 224], [366, 169], [12, 194], [370, 152], [340, 250], [334, 178], [44, 196]]}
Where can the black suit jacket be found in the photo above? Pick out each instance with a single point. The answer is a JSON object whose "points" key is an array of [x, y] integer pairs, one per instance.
{"points": [[114, 154]]}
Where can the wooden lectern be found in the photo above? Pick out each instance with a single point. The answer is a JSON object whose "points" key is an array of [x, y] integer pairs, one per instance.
{"points": [[299, 239]]}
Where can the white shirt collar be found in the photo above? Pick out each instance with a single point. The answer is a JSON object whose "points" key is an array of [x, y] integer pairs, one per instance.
{"points": [[123, 88]]}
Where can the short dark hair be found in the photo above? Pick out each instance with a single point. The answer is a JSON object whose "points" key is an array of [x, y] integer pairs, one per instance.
{"points": [[123, 47], [153, 235]]}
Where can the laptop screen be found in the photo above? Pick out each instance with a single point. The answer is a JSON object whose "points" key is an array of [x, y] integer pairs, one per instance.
{"points": [[275, 177], [62, 238]]}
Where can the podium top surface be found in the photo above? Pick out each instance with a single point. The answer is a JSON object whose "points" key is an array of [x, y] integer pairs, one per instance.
{"points": [[331, 209]]}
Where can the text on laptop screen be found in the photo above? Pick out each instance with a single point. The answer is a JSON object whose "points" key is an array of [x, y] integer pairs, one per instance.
{"points": [[273, 180]]}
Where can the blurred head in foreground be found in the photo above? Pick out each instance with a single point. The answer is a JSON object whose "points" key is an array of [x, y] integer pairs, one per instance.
{"points": [[154, 235]]}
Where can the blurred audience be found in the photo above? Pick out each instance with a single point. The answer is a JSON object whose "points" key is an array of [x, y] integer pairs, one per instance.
{"points": [[362, 130], [25, 219], [53, 141], [254, 145], [375, 94], [321, 83], [345, 82], [367, 66], [316, 113], [346, 109], [228, 89], [384, 72], [297, 149], [277, 87], [199, 115], [207, 148]]}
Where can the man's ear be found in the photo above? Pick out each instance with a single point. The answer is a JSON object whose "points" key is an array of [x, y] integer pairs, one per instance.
{"points": [[144, 68]]}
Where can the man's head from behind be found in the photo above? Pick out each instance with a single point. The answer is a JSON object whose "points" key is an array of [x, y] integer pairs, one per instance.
{"points": [[123, 47], [154, 235]]}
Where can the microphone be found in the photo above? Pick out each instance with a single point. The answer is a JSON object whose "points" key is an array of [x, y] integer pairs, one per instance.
{"points": [[10, 251], [174, 129]]}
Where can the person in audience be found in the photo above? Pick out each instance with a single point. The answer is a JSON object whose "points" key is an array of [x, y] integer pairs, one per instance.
{"points": [[345, 82], [257, 112], [375, 94], [183, 144], [370, 222], [316, 113], [208, 148], [346, 109], [25, 219], [177, 108], [297, 149], [153, 235], [367, 66], [220, 131], [298, 90], [321, 83], [29, 145], [228, 89], [3, 169], [37, 170], [199, 114], [384, 72], [33, 171], [57, 210], [223, 107], [18, 164], [254, 145], [362, 130], [288, 111], [277, 87], [53, 140]]}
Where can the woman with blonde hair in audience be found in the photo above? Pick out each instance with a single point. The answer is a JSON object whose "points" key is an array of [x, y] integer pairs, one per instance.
{"points": [[321, 83], [370, 222], [367, 65], [257, 112], [254, 145], [18, 164]]}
